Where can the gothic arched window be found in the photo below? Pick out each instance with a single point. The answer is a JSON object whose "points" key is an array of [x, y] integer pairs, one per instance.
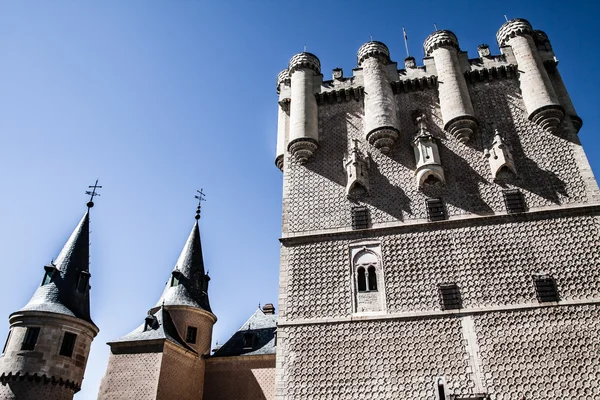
{"points": [[362, 280], [372, 278]]}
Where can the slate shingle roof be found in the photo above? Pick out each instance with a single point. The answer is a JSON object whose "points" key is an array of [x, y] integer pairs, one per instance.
{"points": [[192, 289], [262, 326], [61, 295]]}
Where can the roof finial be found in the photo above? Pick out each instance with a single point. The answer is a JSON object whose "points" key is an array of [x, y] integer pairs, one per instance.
{"points": [[200, 197], [93, 193]]}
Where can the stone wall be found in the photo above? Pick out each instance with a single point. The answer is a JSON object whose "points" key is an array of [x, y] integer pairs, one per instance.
{"points": [[181, 375], [240, 378], [131, 376], [550, 166], [30, 390]]}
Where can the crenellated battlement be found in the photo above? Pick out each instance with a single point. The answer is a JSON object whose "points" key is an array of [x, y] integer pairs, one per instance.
{"points": [[526, 54]]}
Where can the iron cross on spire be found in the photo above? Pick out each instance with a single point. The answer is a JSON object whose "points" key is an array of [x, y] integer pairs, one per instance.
{"points": [[200, 197], [93, 193]]}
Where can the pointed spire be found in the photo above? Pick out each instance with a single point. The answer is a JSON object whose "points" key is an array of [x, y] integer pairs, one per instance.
{"points": [[65, 287], [188, 284]]}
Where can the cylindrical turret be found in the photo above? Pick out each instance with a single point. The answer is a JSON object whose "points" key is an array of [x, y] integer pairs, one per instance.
{"points": [[540, 99], [304, 126], [283, 118], [381, 118], [542, 42], [455, 102]]}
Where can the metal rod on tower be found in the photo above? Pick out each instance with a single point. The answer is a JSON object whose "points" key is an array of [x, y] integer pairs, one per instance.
{"points": [[435, 26], [505, 18], [406, 42]]}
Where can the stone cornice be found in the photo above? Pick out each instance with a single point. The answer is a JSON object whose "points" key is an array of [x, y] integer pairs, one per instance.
{"points": [[60, 319], [439, 39], [373, 49], [510, 29], [36, 378], [491, 73], [304, 60]]}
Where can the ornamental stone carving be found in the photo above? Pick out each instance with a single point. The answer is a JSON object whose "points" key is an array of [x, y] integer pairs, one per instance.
{"points": [[357, 171], [499, 156], [427, 157]]}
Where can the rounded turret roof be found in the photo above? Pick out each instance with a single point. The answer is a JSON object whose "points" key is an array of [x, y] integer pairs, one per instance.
{"points": [[512, 28], [373, 49], [304, 60], [282, 77], [438, 39]]}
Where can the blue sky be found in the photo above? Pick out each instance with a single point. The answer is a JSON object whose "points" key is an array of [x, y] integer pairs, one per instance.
{"points": [[160, 98]]}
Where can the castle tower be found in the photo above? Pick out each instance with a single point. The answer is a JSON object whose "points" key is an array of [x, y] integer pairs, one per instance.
{"points": [[381, 120], [480, 284], [164, 358], [47, 348], [539, 96], [455, 102], [305, 70]]}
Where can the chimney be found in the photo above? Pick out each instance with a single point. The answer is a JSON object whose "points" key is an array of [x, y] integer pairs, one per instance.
{"points": [[269, 308]]}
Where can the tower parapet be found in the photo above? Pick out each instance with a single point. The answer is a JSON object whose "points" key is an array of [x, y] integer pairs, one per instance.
{"points": [[381, 119], [455, 102], [542, 104], [283, 116], [304, 125]]}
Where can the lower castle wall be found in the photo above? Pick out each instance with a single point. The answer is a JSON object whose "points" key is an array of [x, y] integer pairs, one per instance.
{"points": [[131, 376], [27, 390], [544, 353], [181, 376], [240, 378]]}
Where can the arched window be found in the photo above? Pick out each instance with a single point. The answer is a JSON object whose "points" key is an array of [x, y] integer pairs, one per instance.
{"points": [[362, 281], [372, 278]]}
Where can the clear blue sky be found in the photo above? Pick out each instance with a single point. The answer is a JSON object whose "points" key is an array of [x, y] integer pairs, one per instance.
{"points": [[160, 98]]}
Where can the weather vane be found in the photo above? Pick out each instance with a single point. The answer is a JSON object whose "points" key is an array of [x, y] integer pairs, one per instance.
{"points": [[93, 193], [200, 197]]}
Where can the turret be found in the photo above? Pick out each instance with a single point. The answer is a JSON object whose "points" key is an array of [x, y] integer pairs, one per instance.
{"points": [[381, 114], [427, 156], [455, 102], [175, 335], [304, 69], [550, 62], [539, 96], [49, 340], [283, 115]]}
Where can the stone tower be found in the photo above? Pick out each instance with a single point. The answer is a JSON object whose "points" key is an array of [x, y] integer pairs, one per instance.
{"points": [[47, 348], [165, 357], [440, 227]]}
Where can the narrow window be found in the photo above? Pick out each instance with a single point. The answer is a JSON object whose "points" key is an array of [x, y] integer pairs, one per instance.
{"points": [[362, 281], [545, 287], [68, 344], [7, 340], [450, 296], [190, 337], [82, 283], [435, 209], [514, 201], [441, 390], [372, 278], [248, 340], [175, 279], [360, 217], [31, 337], [47, 278]]}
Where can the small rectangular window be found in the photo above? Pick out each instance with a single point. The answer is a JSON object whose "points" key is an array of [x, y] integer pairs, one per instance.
{"points": [[545, 287], [190, 337], [47, 278], [360, 217], [7, 340], [68, 344], [248, 340], [30, 339], [435, 209], [82, 283], [175, 278], [450, 296], [514, 201]]}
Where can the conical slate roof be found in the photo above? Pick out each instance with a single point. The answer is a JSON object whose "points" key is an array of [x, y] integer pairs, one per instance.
{"points": [[191, 282], [65, 294]]}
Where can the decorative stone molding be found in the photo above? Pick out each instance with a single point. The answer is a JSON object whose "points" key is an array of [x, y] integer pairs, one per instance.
{"points": [[373, 49], [44, 379], [368, 289], [512, 28], [303, 148], [427, 156], [549, 117], [462, 128], [383, 138], [357, 171], [340, 95], [439, 39], [283, 78], [304, 60], [491, 73], [499, 156]]}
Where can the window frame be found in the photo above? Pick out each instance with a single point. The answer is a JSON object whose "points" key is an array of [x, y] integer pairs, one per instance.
{"points": [[190, 329], [67, 348], [28, 344]]}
